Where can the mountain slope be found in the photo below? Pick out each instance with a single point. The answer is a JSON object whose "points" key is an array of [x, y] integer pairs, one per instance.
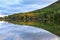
{"points": [[49, 12]]}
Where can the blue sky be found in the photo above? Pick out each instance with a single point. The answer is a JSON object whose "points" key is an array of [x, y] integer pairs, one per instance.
{"points": [[8, 7]]}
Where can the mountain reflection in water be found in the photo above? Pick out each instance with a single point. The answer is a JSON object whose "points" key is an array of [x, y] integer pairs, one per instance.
{"points": [[10, 31]]}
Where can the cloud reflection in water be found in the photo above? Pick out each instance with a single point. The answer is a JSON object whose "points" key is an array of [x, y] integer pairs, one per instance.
{"points": [[21, 32]]}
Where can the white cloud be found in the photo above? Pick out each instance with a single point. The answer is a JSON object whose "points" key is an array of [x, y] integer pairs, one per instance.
{"points": [[3, 15], [10, 2], [8, 9], [25, 8]]}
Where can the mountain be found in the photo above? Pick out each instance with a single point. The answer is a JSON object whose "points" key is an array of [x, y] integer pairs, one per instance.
{"points": [[51, 12], [47, 18]]}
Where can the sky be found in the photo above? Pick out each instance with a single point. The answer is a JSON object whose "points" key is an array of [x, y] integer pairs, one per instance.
{"points": [[9, 7]]}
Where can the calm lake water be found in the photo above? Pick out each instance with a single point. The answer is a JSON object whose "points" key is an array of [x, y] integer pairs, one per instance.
{"points": [[10, 31]]}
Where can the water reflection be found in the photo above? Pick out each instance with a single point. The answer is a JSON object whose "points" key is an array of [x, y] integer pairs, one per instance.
{"points": [[10, 31], [50, 25]]}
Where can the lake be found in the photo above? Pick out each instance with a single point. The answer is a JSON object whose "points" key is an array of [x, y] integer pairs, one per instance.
{"points": [[9, 31]]}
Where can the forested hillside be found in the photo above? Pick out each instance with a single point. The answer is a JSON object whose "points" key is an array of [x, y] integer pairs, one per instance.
{"points": [[51, 12]]}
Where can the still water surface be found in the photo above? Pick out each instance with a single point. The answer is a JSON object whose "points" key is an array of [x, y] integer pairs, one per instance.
{"points": [[10, 31]]}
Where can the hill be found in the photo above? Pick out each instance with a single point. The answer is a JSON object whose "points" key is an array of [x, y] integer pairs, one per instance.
{"points": [[51, 12]]}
